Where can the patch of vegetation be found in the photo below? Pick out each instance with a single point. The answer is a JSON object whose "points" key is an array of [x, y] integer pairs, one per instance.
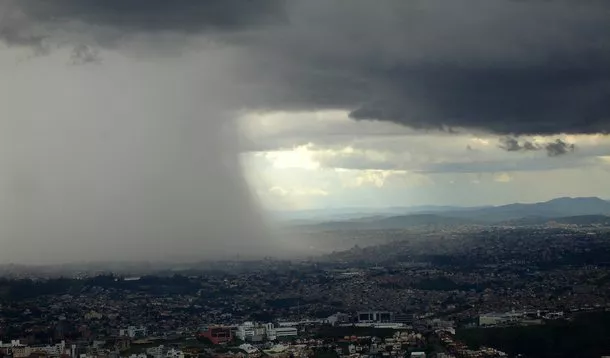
{"points": [[585, 336]]}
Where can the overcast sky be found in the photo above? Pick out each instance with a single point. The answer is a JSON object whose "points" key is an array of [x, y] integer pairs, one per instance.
{"points": [[159, 129]]}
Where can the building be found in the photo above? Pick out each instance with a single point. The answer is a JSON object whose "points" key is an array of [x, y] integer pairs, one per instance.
{"points": [[494, 319], [134, 332], [91, 315], [22, 352], [418, 354], [439, 324], [406, 318], [164, 352], [275, 333], [249, 349], [250, 332], [55, 350], [174, 353], [13, 343], [375, 317], [218, 334], [255, 332], [337, 318]]}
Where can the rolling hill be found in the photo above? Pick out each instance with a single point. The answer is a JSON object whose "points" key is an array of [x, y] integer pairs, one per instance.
{"points": [[579, 211], [393, 222]]}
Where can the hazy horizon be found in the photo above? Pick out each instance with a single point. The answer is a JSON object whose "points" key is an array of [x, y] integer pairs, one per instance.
{"points": [[456, 205]]}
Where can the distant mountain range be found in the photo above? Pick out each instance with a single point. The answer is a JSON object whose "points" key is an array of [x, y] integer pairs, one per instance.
{"points": [[316, 215], [581, 211]]}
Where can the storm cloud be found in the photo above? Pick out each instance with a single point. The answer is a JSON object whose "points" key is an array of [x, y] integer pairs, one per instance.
{"points": [[142, 145], [558, 147], [507, 67], [553, 149], [134, 16], [510, 144]]}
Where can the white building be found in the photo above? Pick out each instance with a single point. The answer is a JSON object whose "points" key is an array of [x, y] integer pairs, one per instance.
{"points": [[54, 350], [133, 332], [11, 344], [274, 333], [174, 353], [250, 332], [255, 332], [21, 351], [351, 349], [493, 319], [336, 318], [163, 352]]}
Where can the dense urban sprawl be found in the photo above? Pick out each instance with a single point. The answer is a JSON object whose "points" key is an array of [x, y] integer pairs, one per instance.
{"points": [[406, 295]]}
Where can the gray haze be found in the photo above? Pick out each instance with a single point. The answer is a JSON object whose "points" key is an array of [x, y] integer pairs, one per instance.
{"points": [[118, 117], [121, 161]]}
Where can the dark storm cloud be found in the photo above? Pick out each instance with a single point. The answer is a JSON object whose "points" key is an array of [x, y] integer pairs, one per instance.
{"points": [[510, 144], [553, 149], [527, 145], [15, 30], [33, 23], [542, 98], [154, 15], [506, 67], [558, 147]]}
